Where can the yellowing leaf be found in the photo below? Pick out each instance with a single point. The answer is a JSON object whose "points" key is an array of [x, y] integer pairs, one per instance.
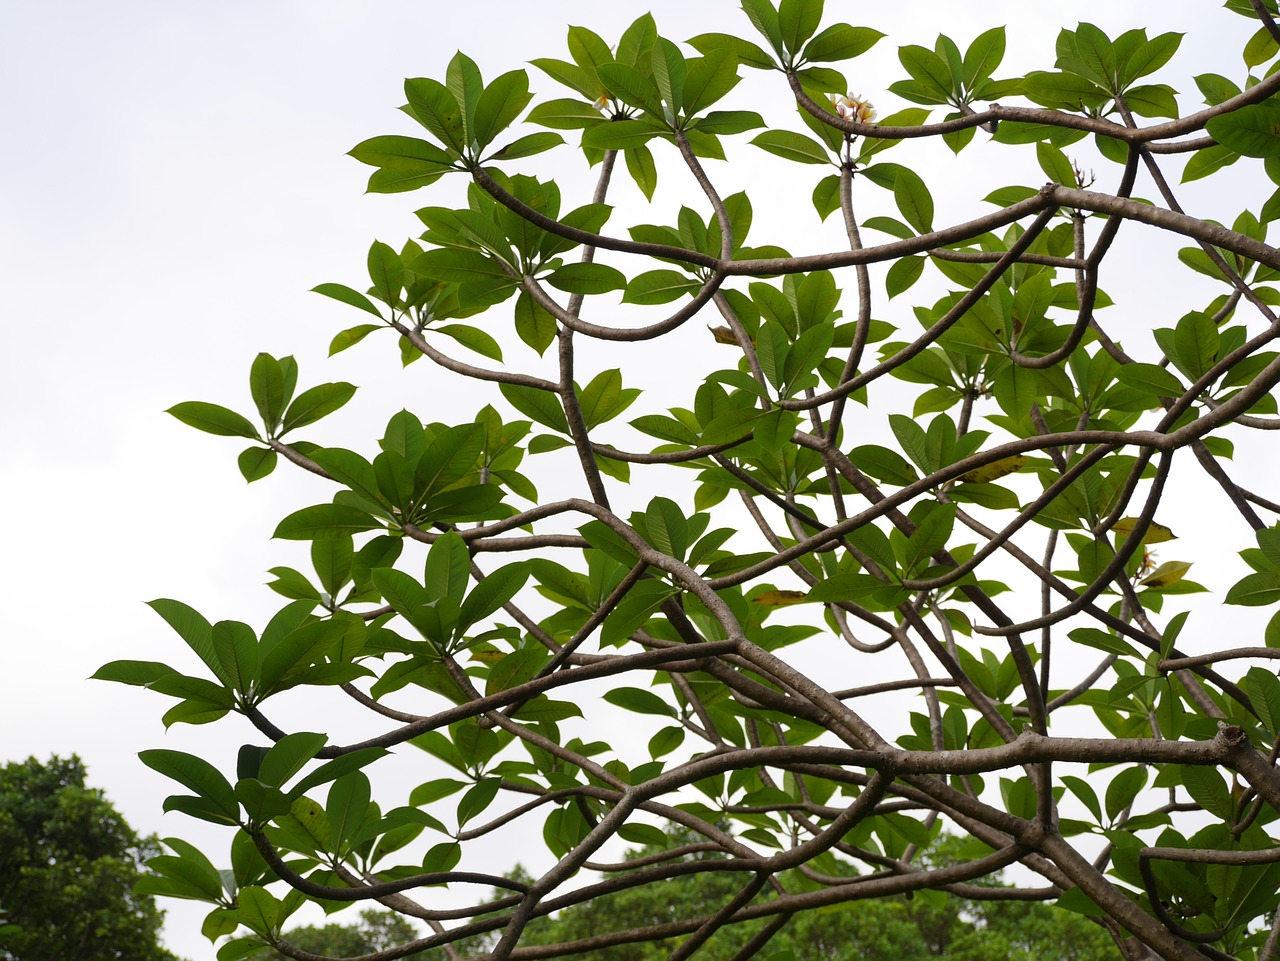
{"points": [[723, 335], [1170, 572], [1156, 533], [780, 598], [995, 470]]}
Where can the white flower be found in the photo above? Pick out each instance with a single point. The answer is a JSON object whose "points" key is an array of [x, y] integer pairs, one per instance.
{"points": [[854, 107]]}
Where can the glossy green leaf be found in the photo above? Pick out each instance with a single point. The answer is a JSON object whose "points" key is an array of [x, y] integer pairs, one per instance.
{"points": [[840, 41], [213, 419], [792, 146]]}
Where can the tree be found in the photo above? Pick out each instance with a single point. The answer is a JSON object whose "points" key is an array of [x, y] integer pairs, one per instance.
{"points": [[895, 929], [929, 925], [376, 931], [961, 501], [68, 867]]}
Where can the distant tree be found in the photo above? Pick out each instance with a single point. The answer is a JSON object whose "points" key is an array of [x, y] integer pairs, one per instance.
{"points": [[68, 866], [933, 924], [375, 931]]}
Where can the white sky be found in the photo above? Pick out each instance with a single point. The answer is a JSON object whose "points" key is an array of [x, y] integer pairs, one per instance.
{"points": [[172, 183]]}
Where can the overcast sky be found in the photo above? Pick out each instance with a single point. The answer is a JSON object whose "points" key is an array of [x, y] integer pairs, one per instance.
{"points": [[172, 183]]}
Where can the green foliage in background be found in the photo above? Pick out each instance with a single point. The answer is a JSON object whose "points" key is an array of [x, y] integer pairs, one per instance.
{"points": [[68, 867]]}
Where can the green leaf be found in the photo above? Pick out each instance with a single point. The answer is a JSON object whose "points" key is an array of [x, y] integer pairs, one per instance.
{"points": [[1253, 130], [1122, 790], [336, 768], [1260, 48], [643, 834], [477, 799], [453, 265], [238, 948], [137, 673], [913, 199], [266, 386], [288, 756], [565, 115], [296, 651], [902, 275], [983, 56], [634, 610], [259, 910], [1064, 91], [213, 419], [462, 77], [1092, 637], [1255, 590], [571, 76], [587, 278], [192, 627], [473, 338], [199, 776], [492, 593], [333, 559], [386, 271], [764, 17], [448, 570], [236, 647], [346, 808], [1083, 790], [527, 146], [450, 457], [709, 79], [256, 463], [1055, 164], [669, 72], [1150, 379], [325, 520], [434, 107], [840, 42], [539, 405], [1196, 343], [826, 196], [798, 21], [745, 51], [317, 402], [639, 701], [1208, 789], [349, 468], [401, 153], [637, 40], [666, 528], [1155, 100], [346, 295], [516, 668], [534, 325], [1148, 55], [620, 135], [1096, 54], [928, 70], [659, 287], [499, 106], [793, 146], [633, 88], [642, 169], [1207, 161], [587, 49], [191, 870]]}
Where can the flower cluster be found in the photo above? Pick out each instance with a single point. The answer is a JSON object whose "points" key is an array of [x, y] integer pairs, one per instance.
{"points": [[854, 107]]}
